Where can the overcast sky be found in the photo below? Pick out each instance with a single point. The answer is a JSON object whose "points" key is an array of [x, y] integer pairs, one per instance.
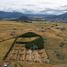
{"points": [[48, 6]]}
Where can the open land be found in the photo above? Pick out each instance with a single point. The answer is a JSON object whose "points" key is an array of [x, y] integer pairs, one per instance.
{"points": [[13, 50]]}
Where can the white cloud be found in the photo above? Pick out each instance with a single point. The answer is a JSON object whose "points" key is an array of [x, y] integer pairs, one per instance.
{"points": [[32, 5]]}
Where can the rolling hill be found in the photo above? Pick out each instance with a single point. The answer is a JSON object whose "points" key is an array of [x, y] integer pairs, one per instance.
{"points": [[21, 16]]}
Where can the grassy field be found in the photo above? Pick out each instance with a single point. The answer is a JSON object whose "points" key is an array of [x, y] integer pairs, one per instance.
{"points": [[54, 35], [4, 47]]}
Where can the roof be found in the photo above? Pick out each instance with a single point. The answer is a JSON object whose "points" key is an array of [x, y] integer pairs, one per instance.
{"points": [[29, 34]]}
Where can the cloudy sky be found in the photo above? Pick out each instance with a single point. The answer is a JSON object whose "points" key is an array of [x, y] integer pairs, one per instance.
{"points": [[34, 6]]}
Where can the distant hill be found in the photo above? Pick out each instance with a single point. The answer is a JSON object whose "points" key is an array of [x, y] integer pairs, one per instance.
{"points": [[21, 16], [9, 15], [59, 18], [12, 16]]}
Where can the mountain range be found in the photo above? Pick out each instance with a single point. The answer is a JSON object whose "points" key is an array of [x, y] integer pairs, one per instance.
{"points": [[22, 16]]}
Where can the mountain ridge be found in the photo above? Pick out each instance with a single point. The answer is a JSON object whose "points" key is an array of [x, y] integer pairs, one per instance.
{"points": [[22, 16]]}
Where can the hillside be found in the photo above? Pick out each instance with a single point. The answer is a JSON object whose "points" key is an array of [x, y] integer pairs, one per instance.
{"points": [[59, 18], [38, 17]]}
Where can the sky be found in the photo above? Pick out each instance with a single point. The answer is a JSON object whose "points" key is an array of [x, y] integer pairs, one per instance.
{"points": [[34, 6]]}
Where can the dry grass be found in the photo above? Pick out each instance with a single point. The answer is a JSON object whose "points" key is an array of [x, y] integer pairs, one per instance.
{"points": [[52, 31], [4, 47]]}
